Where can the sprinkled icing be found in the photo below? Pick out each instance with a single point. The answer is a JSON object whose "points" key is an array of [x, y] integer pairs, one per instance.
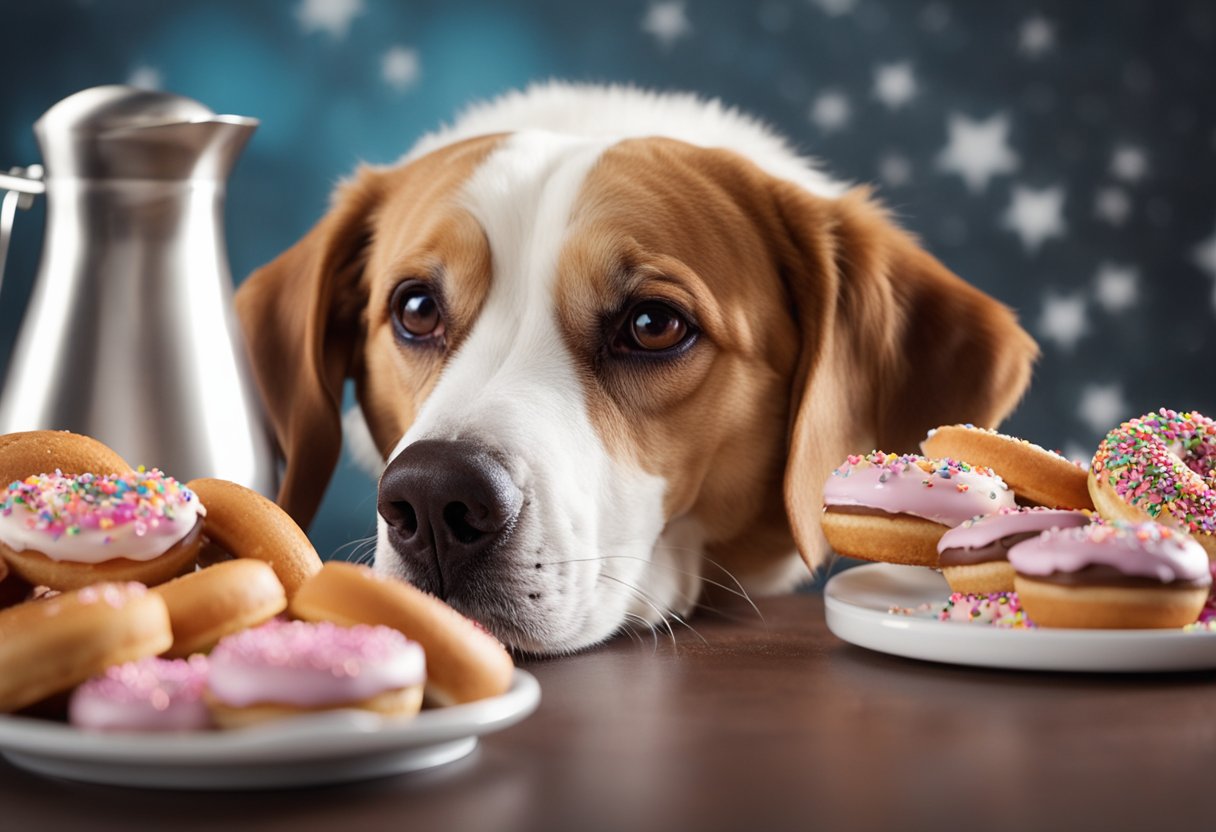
{"points": [[987, 529], [942, 490], [312, 664], [148, 695], [91, 519], [1164, 464], [1140, 550]]}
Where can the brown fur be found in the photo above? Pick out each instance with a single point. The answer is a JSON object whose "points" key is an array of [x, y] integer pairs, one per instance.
{"points": [[826, 330]]}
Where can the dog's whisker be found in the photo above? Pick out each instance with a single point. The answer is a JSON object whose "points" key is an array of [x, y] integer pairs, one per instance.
{"points": [[641, 596], [666, 616]]}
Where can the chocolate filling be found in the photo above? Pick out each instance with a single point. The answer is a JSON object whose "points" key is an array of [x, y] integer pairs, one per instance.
{"points": [[995, 551], [867, 511], [1102, 575]]}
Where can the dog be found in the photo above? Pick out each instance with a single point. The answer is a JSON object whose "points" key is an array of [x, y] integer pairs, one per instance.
{"points": [[607, 344]]}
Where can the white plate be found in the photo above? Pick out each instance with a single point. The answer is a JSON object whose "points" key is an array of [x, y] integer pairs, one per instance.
{"points": [[333, 747], [858, 603]]}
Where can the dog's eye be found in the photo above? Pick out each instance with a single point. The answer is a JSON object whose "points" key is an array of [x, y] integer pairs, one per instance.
{"points": [[654, 326], [416, 312]]}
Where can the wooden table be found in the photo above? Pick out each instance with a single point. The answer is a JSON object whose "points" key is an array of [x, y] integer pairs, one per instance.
{"points": [[755, 725]]}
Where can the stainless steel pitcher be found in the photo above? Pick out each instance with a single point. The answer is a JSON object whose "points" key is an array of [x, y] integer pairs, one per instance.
{"points": [[130, 335]]}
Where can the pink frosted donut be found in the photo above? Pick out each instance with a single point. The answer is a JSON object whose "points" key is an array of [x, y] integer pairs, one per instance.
{"points": [[298, 666], [1116, 576], [147, 695], [988, 537]]}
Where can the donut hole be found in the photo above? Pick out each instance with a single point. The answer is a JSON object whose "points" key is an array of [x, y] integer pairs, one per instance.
{"points": [[454, 515]]}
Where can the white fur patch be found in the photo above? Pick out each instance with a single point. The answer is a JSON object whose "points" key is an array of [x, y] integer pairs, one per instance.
{"points": [[583, 557]]}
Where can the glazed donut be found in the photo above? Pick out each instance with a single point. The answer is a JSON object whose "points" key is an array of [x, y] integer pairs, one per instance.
{"points": [[42, 451], [895, 508], [464, 662], [1037, 475], [148, 695], [211, 603], [247, 525], [1162, 467], [973, 556], [287, 668], [67, 532], [1111, 576], [52, 645]]}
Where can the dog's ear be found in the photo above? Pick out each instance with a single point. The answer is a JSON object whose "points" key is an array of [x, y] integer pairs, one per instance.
{"points": [[301, 318], [893, 344]]}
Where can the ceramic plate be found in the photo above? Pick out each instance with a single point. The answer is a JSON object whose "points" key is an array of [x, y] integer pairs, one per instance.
{"points": [[333, 747], [858, 603]]}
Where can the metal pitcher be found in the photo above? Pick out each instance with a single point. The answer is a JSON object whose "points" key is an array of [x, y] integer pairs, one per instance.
{"points": [[130, 335]]}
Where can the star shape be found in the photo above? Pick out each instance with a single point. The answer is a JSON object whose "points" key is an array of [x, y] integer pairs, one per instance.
{"points": [[1102, 406], [1036, 215], [146, 78], [331, 16], [835, 8], [830, 111], [894, 84], [1205, 258], [1112, 205], [1036, 37], [1063, 320], [666, 22], [1129, 163], [895, 169], [400, 68], [978, 150], [1116, 287]]}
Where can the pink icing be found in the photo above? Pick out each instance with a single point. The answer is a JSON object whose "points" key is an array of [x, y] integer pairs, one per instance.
{"points": [[942, 490], [313, 665], [1142, 550], [147, 695], [987, 529]]}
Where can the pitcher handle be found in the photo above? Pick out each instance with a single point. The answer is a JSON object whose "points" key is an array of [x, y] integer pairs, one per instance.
{"points": [[20, 186]]}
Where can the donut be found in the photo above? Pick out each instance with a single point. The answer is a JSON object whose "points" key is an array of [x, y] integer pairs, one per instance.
{"points": [[1038, 476], [286, 668], [39, 451], [464, 662], [211, 603], [52, 645], [147, 695], [1161, 467], [1111, 576], [67, 532], [247, 525], [895, 508], [973, 555]]}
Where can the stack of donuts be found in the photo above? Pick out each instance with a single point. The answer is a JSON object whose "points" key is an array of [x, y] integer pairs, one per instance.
{"points": [[130, 601], [1128, 544]]}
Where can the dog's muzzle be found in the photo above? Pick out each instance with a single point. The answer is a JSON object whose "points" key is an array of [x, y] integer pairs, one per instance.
{"points": [[448, 505]]}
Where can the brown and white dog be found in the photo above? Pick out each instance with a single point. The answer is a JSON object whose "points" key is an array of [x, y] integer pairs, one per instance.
{"points": [[608, 344]]}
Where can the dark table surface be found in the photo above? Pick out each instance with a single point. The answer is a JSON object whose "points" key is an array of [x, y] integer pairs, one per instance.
{"points": [[754, 724]]}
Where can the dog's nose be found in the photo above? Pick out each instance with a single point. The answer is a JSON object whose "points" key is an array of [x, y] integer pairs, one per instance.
{"points": [[447, 502]]}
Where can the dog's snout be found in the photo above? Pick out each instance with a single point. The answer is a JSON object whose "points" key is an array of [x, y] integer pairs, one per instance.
{"points": [[447, 502]]}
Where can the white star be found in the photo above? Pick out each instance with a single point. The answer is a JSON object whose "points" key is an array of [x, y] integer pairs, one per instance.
{"points": [[332, 16], [895, 169], [1063, 320], [1036, 215], [666, 22], [1036, 36], [146, 78], [894, 84], [1129, 163], [1205, 258], [400, 68], [835, 8], [1112, 205], [830, 111], [978, 150], [1102, 406], [1116, 288]]}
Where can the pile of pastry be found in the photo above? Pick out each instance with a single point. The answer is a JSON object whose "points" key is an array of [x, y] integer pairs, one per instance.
{"points": [[1127, 544]]}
